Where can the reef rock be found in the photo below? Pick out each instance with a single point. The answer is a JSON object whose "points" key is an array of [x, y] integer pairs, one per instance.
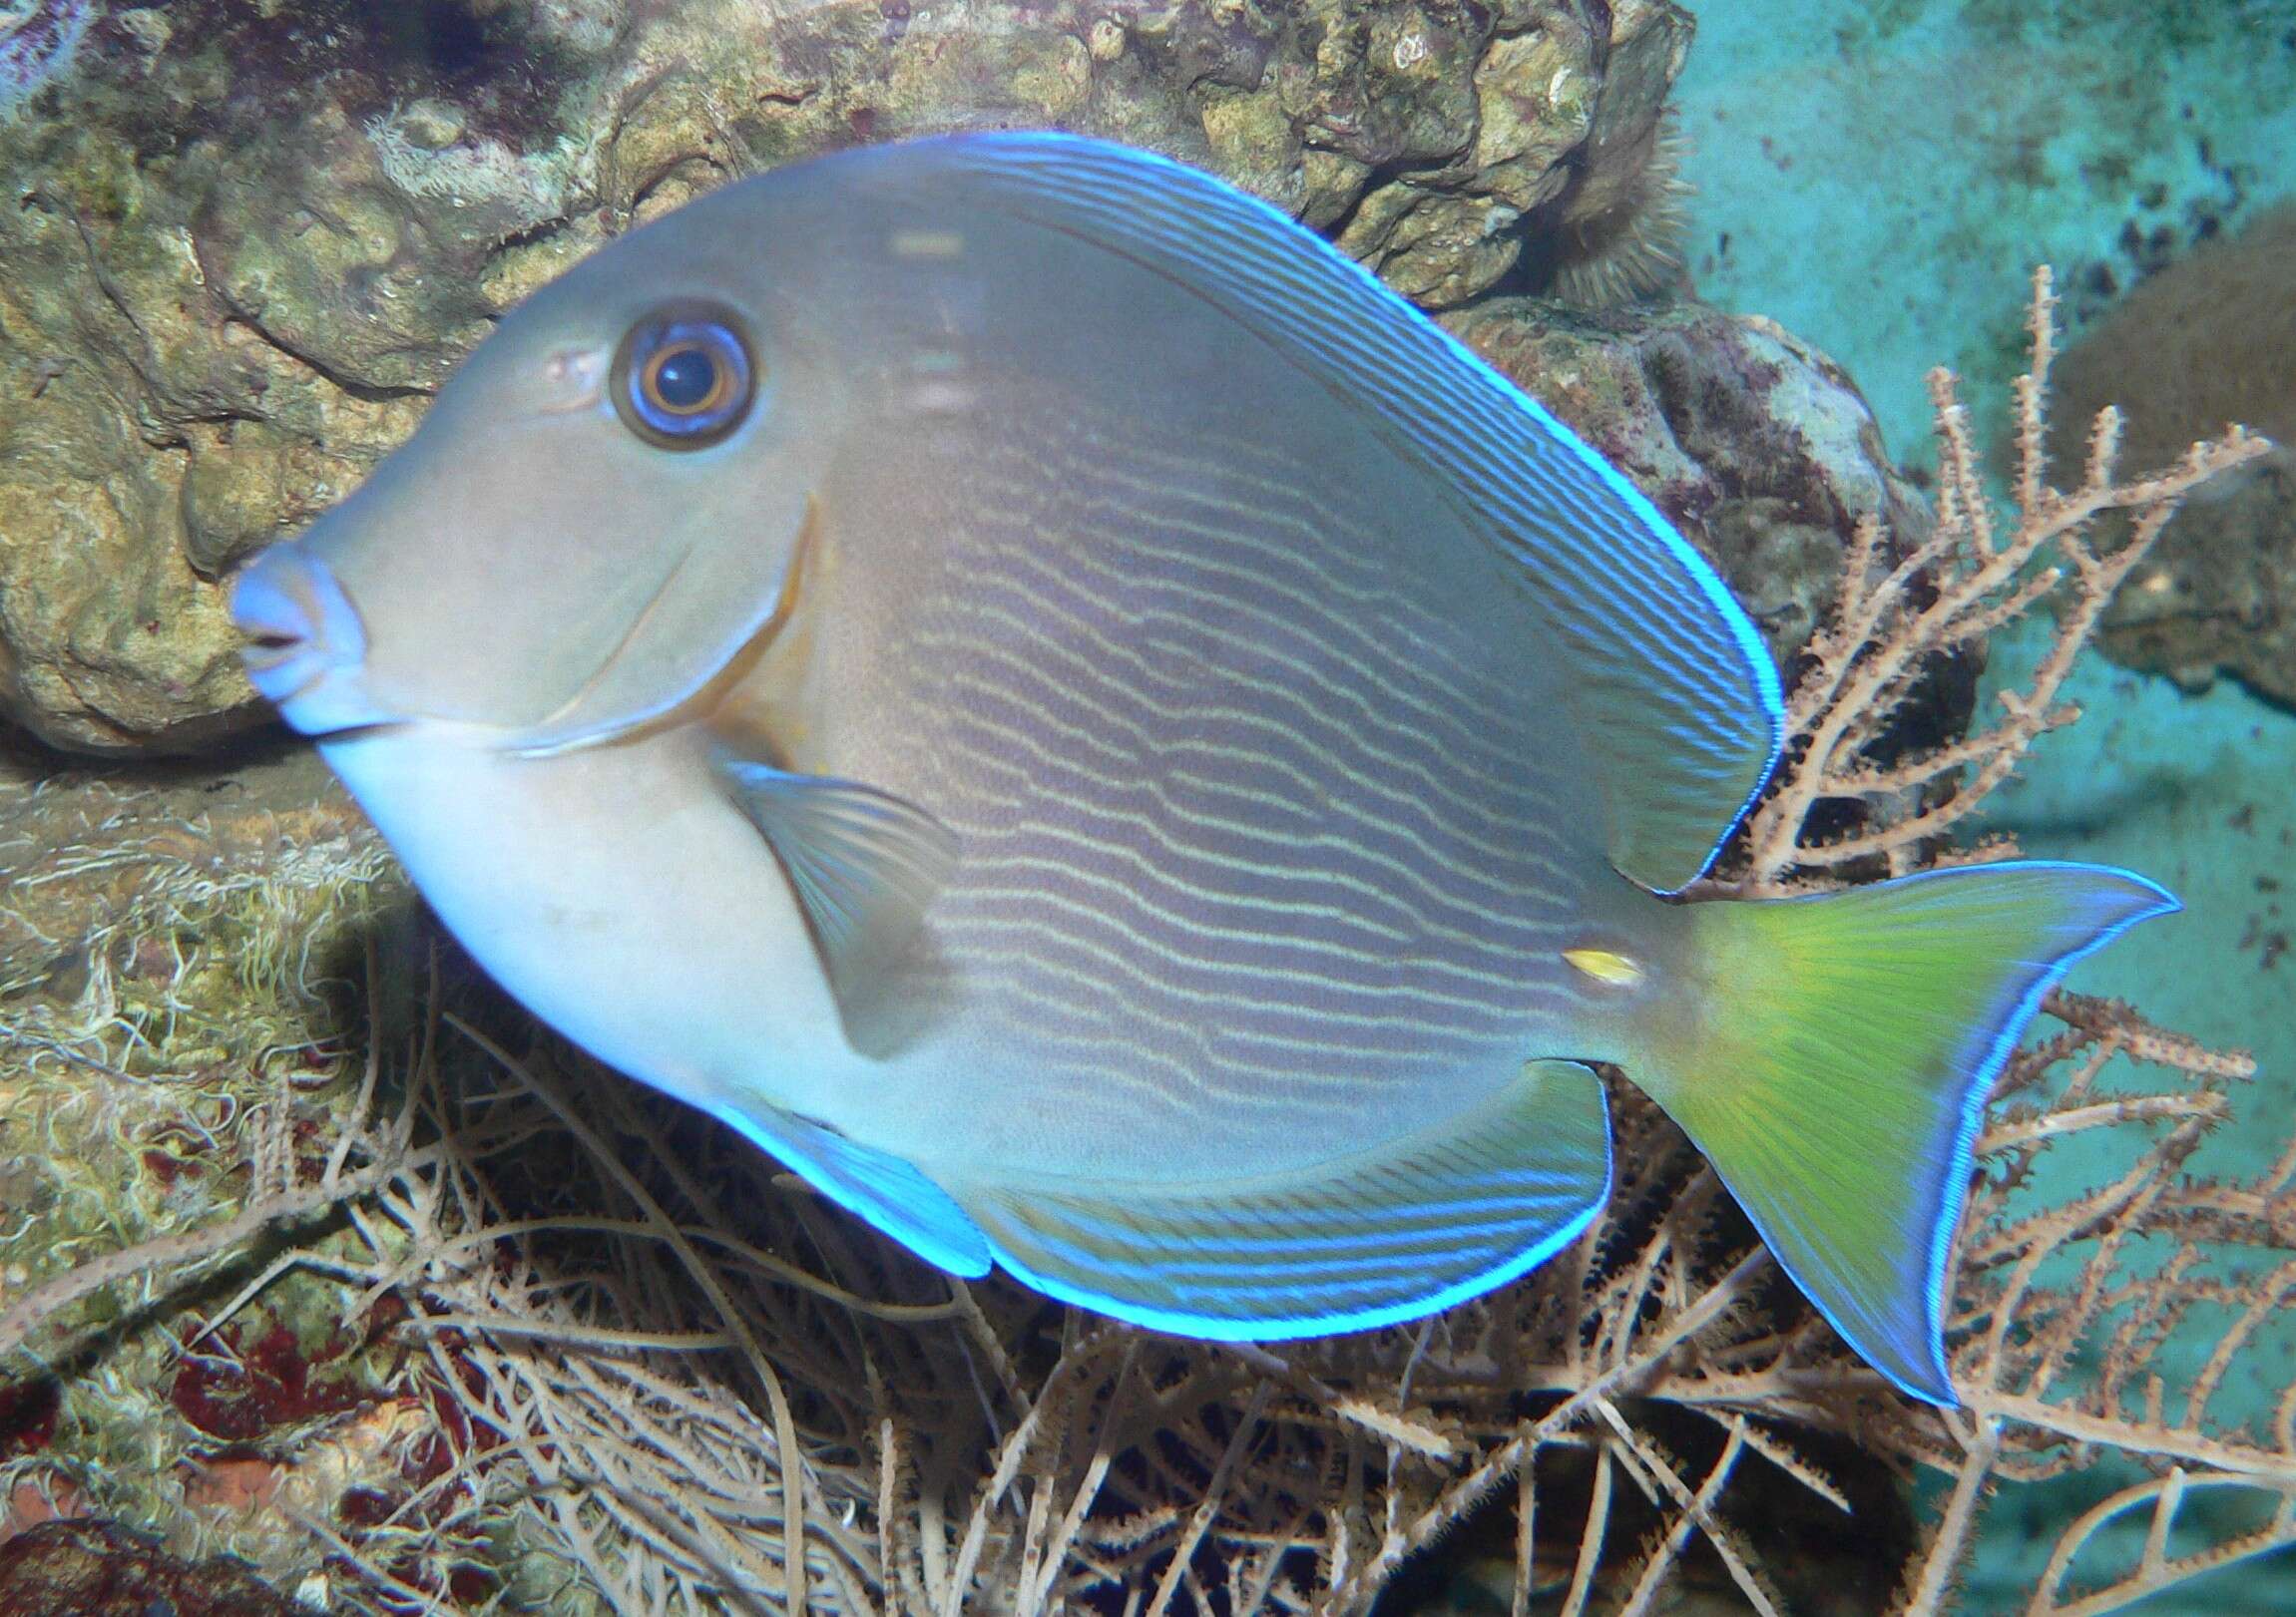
{"points": [[2195, 346], [99, 1569], [244, 241], [1756, 445]]}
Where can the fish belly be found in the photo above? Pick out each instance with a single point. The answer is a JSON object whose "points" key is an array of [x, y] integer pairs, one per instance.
{"points": [[619, 896]]}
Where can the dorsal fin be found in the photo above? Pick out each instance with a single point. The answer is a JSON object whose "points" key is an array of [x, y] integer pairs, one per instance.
{"points": [[1667, 677]]}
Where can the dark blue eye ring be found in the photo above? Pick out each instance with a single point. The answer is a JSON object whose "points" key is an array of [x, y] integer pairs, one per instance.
{"points": [[684, 379]]}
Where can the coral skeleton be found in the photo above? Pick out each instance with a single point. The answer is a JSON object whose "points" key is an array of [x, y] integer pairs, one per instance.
{"points": [[615, 1360]]}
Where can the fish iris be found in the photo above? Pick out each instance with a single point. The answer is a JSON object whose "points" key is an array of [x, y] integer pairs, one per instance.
{"points": [[684, 381]]}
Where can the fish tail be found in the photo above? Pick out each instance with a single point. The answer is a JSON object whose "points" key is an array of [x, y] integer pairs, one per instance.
{"points": [[1833, 1061]]}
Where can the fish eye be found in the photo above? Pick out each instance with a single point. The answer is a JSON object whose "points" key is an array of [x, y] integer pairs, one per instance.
{"points": [[682, 379]]}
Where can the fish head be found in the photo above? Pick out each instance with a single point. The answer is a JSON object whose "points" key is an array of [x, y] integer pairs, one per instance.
{"points": [[595, 517]]}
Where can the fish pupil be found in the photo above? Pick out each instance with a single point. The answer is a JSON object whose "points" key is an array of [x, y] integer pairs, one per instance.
{"points": [[684, 378]]}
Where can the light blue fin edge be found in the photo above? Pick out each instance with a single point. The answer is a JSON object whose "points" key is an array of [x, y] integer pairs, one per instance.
{"points": [[1121, 193], [1584, 1184], [1999, 1035], [1975, 1097], [891, 1194]]}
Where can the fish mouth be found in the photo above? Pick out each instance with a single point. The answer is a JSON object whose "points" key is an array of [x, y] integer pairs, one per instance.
{"points": [[305, 643], [265, 656]]}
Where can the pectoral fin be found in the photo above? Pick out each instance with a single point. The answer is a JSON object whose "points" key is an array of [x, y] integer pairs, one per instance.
{"points": [[863, 864]]}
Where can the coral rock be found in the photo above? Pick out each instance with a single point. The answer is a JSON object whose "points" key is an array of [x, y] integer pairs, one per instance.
{"points": [[1756, 445], [2195, 346], [38, 41], [99, 1569]]}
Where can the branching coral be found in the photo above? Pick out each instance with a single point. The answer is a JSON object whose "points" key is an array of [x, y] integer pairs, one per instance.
{"points": [[1968, 580], [647, 1373]]}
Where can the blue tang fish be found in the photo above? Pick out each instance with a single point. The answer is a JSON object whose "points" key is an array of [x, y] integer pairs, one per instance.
{"points": [[1039, 693]]}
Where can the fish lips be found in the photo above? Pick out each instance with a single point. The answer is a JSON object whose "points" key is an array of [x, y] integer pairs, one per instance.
{"points": [[306, 645]]}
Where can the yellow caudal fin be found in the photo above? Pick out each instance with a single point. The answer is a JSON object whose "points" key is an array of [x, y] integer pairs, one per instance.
{"points": [[1836, 1072]]}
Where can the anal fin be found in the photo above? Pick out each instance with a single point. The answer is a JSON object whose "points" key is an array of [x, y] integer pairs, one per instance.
{"points": [[888, 1191], [1368, 1238]]}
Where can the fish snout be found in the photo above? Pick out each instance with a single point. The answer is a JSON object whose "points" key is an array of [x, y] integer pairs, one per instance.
{"points": [[304, 638]]}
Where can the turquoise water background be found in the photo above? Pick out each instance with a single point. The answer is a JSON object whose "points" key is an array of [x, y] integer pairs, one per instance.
{"points": [[1880, 178]]}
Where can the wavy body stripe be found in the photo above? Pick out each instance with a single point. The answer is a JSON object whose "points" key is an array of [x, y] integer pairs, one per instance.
{"points": [[1650, 625], [1272, 826]]}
